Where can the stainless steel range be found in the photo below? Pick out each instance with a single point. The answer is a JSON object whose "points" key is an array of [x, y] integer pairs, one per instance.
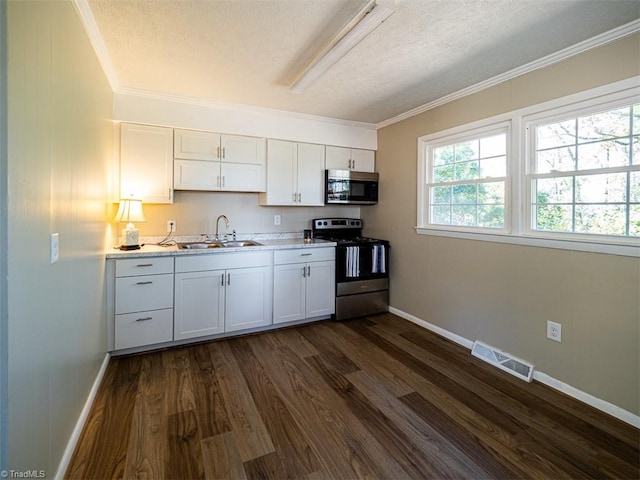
{"points": [[362, 267]]}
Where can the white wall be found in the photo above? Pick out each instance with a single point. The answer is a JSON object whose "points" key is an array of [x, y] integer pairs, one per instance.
{"points": [[59, 151]]}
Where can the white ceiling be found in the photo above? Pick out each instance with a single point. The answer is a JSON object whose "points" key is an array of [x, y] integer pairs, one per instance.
{"points": [[247, 51]]}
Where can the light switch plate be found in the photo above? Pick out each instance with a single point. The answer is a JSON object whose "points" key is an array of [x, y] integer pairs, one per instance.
{"points": [[54, 248]]}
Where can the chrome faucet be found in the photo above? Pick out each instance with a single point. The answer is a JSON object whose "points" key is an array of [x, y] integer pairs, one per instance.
{"points": [[226, 224]]}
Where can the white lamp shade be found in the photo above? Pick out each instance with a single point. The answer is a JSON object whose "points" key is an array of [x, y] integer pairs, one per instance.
{"points": [[129, 211]]}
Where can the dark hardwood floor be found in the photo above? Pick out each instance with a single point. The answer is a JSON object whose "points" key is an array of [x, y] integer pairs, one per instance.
{"points": [[376, 398]]}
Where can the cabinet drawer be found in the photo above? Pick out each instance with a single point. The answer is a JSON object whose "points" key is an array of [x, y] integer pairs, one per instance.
{"points": [[149, 292], [222, 261], [143, 328], [302, 255], [143, 266]]}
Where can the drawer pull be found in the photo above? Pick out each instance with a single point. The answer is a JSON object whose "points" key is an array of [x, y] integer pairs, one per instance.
{"points": [[145, 265], [149, 282], [306, 254], [143, 319]]}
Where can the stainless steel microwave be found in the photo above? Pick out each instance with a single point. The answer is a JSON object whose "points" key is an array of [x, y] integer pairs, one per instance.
{"points": [[346, 186]]}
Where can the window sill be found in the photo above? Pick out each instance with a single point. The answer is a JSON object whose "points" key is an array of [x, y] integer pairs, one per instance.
{"points": [[531, 241]]}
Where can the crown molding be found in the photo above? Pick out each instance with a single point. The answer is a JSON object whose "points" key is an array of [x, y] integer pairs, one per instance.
{"points": [[91, 27], [238, 107], [594, 42]]}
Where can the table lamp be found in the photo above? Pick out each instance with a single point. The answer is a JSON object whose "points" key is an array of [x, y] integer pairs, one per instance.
{"points": [[129, 211]]}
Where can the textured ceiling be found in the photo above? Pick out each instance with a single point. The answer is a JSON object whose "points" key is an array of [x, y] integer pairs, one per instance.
{"points": [[247, 51]]}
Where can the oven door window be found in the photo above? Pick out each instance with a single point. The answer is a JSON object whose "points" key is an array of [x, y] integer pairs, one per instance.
{"points": [[365, 267]]}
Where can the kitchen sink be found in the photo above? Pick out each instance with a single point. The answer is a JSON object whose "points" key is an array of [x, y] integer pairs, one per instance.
{"points": [[217, 244]]}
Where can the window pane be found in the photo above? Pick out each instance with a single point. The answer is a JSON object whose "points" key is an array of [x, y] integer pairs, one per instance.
{"points": [[558, 159], [441, 215], [614, 123], [634, 220], [463, 215], [464, 193], [604, 188], [491, 193], [443, 155], [554, 218], [493, 167], [467, 170], [635, 187], [601, 219], [491, 216], [554, 190], [636, 119], [493, 146], [443, 174], [556, 134], [610, 153], [466, 151], [441, 195], [636, 151]]}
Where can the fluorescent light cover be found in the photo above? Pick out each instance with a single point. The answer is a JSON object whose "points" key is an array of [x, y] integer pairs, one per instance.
{"points": [[370, 17]]}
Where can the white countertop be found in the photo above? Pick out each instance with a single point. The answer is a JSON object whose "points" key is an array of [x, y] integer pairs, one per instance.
{"points": [[154, 250]]}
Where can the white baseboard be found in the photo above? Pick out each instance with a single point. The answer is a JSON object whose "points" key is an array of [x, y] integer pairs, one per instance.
{"points": [[541, 377], [84, 414]]}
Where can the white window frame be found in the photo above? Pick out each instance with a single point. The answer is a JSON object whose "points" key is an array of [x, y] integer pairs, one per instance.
{"points": [[454, 136], [518, 227]]}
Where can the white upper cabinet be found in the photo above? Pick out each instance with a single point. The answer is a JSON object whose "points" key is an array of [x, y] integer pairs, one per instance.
{"points": [[295, 174], [340, 158], [146, 163], [210, 161]]}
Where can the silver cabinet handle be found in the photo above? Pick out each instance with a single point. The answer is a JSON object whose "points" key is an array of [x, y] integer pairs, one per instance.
{"points": [[218, 181], [304, 272], [228, 279], [145, 265], [223, 180], [299, 198], [309, 271], [148, 282], [306, 254], [217, 152], [224, 152], [144, 319], [222, 280]]}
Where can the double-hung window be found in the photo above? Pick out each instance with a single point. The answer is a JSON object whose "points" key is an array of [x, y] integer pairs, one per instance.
{"points": [[561, 174], [466, 180], [584, 173]]}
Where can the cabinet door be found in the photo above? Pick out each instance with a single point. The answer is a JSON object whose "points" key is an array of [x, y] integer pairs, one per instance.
{"points": [[289, 292], [146, 163], [237, 149], [338, 158], [248, 301], [194, 145], [242, 177], [281, 173], [363, 160], [311, 174], [196, 175], [199, 304], [320, 289]]}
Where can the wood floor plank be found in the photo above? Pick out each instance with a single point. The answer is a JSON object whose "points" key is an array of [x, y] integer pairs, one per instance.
{"points": [[252, 437], [147, 441], [376, 398], [341, 442], [212, 415], [221, 458], [293, 455]]}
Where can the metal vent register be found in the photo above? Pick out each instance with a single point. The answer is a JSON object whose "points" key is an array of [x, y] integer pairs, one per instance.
{"points": [[503, 361]]}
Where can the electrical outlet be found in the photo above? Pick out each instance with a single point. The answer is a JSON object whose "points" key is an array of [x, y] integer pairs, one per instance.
{"points": [[171, 226], [554, 331], [277, 219]]}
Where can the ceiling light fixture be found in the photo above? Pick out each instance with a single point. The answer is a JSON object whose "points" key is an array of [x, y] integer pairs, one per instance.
{"points": [[367, 20]]}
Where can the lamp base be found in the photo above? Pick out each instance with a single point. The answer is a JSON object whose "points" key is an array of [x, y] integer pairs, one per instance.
{"points": [[129, 247]]}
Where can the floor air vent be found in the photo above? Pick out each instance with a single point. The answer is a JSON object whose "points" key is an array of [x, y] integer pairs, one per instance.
{"points": [[503, 361]]}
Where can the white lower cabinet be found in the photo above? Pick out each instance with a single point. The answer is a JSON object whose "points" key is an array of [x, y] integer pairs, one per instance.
{"points": [[143, 303], [222, 292], [304, 284]]}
